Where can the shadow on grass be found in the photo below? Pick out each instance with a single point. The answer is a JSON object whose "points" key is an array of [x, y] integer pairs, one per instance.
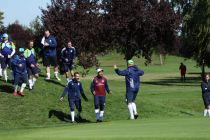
{"points": [[66, 117], [175, 81], [6, 88], [55, 82]]}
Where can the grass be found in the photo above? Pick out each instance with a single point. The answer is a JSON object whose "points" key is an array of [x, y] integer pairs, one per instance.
{"points": [[168, 108]]}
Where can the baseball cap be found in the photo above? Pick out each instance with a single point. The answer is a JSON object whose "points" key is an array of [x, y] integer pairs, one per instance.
{"points": [[5, 35], [99, 69], [21, 50], [130, 62]]}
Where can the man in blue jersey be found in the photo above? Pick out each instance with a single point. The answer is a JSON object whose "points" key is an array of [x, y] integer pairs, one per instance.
{"points": [[50, 56], [132, 77], [31, 63], [74, 89], [68, 55], [18, 63], [7, 50]]}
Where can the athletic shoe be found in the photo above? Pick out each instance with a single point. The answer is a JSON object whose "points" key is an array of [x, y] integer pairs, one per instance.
{"points": [[21, 93], [98, 121], [136, 116], [58, 78], [47, 78], [14, 93]]}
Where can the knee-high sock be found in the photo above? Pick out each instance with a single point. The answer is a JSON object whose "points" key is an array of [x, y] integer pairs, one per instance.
{"points": [[101, 115], [134, 108], [72, 116], [15, 88], [205, 112], [5, 74], [30, 83], [48, 75], [0, 71], [22, 87], [97, 114], [209, 112], [33, 81], [130, 108]]}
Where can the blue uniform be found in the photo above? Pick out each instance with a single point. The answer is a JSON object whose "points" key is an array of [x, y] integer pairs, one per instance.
{"points": [[74, 89], [205, 87], [70, 54], [132, 77], [19, 72], [30, 59]]}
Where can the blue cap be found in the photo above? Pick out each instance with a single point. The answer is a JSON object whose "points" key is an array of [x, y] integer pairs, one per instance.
{"points": [[5, 35], [21, 50]]}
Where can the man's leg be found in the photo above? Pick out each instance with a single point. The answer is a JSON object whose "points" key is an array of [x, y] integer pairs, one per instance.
{"points": [[134, 105], [48, 72], [129, 97], [71, 105], [0, 70], [56, 73], [30, 81], [96, 105], [79, 108], [102, 106]]}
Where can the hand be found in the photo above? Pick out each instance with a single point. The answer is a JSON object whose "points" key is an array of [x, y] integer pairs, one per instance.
{"points": [[110, 92], [37, 65], [46, 44], [20, 65], [66, 60], [61, 99], [115, 66], [2, 56], [32, 65], [94, 93], [9, 56]]}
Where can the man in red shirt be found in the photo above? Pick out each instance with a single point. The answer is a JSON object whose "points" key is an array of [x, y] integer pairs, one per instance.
{"points": [[99, 87], [182, 69]]}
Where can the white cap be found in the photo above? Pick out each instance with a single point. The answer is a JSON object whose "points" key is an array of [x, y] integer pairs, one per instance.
{"points": [[99, 69]]}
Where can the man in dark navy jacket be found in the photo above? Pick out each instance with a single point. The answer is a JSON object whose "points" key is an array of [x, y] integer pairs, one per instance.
{"points": [[50, 56], [132, 77], [205, 87], [74, 90]]}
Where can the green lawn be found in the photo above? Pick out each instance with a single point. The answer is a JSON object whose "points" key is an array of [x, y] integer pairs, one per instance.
{"points": [[168, 108]]}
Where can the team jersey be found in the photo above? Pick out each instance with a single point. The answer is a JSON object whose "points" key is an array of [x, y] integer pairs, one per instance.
{"points": [[68, 53], [7, 48], [100, 86], [30, 56]]}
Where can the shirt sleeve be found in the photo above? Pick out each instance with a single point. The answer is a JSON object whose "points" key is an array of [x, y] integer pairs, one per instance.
{"points": [[122, 73], [107, 86], [53, 44], [92, 86], [65, 91]]}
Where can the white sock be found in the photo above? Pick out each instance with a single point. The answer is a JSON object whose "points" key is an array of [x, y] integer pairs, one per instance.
{"points": [[12, 75], [30, 83], [101, 115], [72, 116], [22, 87], [205, 112], [56, 74], [48, 75], [134, 108], [15, 88], [130, 108], [33, 81], [209, 112], [5, 74], [97, 114], [0, 71]]}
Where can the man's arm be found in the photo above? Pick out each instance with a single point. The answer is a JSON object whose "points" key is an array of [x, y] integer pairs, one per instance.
{"points": [[65, 91], [107, 87], [53, 43], [82, 92], [140, 72], [92, 87]]}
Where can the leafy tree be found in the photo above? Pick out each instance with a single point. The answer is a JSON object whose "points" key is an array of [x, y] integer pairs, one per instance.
{"points": [[1, 19], [196, 32]]}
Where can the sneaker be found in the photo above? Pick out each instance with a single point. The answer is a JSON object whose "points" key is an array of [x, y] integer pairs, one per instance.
{"points": [[21, 93], [58, 78], [47, 78], [136, 116], [14, 93], [98, 121]]}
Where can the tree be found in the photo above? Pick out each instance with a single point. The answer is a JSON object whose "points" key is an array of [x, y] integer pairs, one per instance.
{"points": [[1, 19], [139, 27], [20, 34], [196, 32]]}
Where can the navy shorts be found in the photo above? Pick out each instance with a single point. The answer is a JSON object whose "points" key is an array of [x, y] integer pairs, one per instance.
{"points": [[131, 96], [206, 100], [99, 102], [20, 78], [32, 70], [4, 62], [75, 102], [50, 60], [67, 67]]}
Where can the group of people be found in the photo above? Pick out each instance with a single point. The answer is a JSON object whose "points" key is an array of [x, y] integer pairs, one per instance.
{"points": [[23, 64], [99, 87]]}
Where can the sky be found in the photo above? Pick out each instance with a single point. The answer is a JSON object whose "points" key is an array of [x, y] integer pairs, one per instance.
{"points": [[22, 10]]}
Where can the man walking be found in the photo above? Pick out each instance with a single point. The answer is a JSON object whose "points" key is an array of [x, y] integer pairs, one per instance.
{"points": [[50, 57], [74, 89], [99, 87], [132, 77]]}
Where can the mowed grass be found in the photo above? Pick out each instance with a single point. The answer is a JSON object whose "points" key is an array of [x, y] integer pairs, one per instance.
{"points": [[168, 108]]}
